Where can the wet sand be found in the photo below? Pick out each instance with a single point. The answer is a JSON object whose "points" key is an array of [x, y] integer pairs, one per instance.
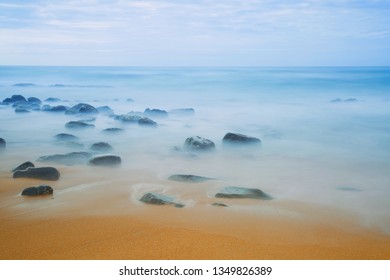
{"points": [[104, 220]]}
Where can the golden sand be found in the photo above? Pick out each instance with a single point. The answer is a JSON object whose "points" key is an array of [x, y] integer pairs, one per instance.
{"points": [[95, 221]]}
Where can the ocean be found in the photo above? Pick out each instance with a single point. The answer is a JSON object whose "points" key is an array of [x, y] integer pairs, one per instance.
{"points": [[325, 131]]}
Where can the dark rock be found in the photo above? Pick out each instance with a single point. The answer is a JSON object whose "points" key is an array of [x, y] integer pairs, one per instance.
{"points": [[88, 120], [198, 144], [27, 106], [67, 159], [101, 147], [219, 204], [188, 178], [82, 108], [66, 137], [128, 118], [34, 100], [183, 112], [44, 173], [58, 108], [52, 99], [105, 110], [2, 143], [40, 190], [21, 111], [238, 192], [24, 166], [106, 160], [147, 122], [156, 113], [15, 98], [78, 125], [159, 199], [24, 85], [112, 130], [237, 138]]}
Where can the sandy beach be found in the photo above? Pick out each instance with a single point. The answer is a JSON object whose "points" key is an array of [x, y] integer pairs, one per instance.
{"points": [[89, 222]]}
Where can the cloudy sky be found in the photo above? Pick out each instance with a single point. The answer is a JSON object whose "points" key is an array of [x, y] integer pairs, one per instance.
{"points": [[195, 33]]}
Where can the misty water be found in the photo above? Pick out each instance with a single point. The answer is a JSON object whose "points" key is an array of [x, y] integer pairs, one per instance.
{"points": [[325, 132]]}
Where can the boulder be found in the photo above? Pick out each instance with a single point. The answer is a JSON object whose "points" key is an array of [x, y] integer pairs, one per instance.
{"points": [[159, 199], [27, 106], [106, 160], [105, 110], [128, 118], [156, 113], [67, 159], [82, 108], [147, 122], [78, 125], [219, 204], [39, 190], [24, 166], [198, 144], [52, 99], [101, 147], [239, 192], [34, 100], [44, 173], [2, 144], [66, 137], [188, 178], [112, 130], [240, 139], [21, 111], [15, 98], [58, 108]]}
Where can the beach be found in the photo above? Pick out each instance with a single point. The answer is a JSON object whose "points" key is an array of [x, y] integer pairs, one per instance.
{"points": [[130, 183]]}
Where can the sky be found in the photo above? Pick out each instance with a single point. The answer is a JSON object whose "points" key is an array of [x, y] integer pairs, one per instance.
{"points": [[195, 33]]}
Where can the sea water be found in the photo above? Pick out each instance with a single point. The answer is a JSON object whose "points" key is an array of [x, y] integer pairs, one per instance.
{"points": [[325, 131]]}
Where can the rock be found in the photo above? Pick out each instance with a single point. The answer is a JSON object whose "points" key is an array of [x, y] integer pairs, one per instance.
{"points": [[147, 122], [112, 130], [27, 106], [24, 166], [105, 110], [21, 111], [219, 204], [67, 159], [58, 108], [15, 98], [101, 147], [24, 85], [106, 160], [188, 178], [44, 173], [350, 100], [52, 99], [198, 144], [128, 118], [66, 137], [183, 112], [82, 108], [239, 192], [71, 144], [78, 125], [159, 199], [2, 144], [156, 113], [34, 100], [339, 100], [40, 190], [241, 139]]}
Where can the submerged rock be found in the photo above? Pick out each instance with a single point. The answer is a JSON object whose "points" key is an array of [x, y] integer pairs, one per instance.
{"points": [[54, 109], [15, 98], [159, 199], [188, 178], [78, 125], [24, 85], [157, 113], [147, 122], [106, 160], [34, 100], [39, 190], [183, 112], [197, 144], [66, 137], [241, 139], [112, 130], [52, 99], [219, 204], [44, 173], [128, 118], [67, 159], [105, 110], [239, 192], [21, 111], [2, 144], [82, 108], [101, 147], [24, 166]]}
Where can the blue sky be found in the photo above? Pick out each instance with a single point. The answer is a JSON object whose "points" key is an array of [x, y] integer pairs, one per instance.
{"points": [[195, 33]]}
